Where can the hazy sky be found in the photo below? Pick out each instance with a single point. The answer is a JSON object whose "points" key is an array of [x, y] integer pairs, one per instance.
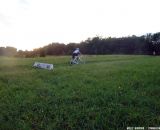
{"points": [[27, 24]]}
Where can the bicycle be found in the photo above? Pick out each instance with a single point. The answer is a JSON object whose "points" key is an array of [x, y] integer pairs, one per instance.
{"points": [[76, 60]]}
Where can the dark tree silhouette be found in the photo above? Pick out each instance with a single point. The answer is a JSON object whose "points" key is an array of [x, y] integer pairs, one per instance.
{"points": [[146, 44]]}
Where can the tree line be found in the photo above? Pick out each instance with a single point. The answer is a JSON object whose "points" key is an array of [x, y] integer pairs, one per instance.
{"points": [[148, 44], [8, 51]]}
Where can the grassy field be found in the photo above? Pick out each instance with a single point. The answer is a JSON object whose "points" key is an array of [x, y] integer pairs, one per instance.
{"points": [[109, 92]]}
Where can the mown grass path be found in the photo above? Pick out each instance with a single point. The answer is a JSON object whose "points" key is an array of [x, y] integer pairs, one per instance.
{"points": [[109, 92]]}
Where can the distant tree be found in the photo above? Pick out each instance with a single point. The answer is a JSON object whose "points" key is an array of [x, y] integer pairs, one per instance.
{"points": [[20, 53], [42, 52], [70, 47], [154, 43], [2, 51], [156, 36], [11, 51], [8, 51], [146, 44]]}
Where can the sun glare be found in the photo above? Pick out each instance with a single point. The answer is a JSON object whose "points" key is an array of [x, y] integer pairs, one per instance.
{"points": [[27, 24]]}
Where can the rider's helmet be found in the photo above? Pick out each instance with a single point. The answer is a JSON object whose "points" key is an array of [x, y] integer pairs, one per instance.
{"points": [[77, 48]]}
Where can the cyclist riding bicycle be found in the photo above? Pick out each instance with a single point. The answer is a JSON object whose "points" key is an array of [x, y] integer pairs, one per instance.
{"points": [[75, 56]]}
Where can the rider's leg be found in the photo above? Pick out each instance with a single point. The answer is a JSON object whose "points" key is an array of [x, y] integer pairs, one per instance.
{"points": [[73, 57], [75, 60]]}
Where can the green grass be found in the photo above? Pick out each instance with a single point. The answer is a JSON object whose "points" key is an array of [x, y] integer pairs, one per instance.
{"points": [[107, 93]]}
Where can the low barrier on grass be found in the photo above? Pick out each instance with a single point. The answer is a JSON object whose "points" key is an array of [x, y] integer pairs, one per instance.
{"points": [[43, 65]]}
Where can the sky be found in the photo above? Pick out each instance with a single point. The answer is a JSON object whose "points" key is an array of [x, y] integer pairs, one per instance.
{"points": [[28, 24]]}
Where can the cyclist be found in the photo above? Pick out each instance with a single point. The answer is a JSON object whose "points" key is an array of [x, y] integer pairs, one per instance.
{"points": [[75, 55]]}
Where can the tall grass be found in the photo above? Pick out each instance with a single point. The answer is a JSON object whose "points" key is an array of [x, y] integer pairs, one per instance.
{"points": [[109, 92]]}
